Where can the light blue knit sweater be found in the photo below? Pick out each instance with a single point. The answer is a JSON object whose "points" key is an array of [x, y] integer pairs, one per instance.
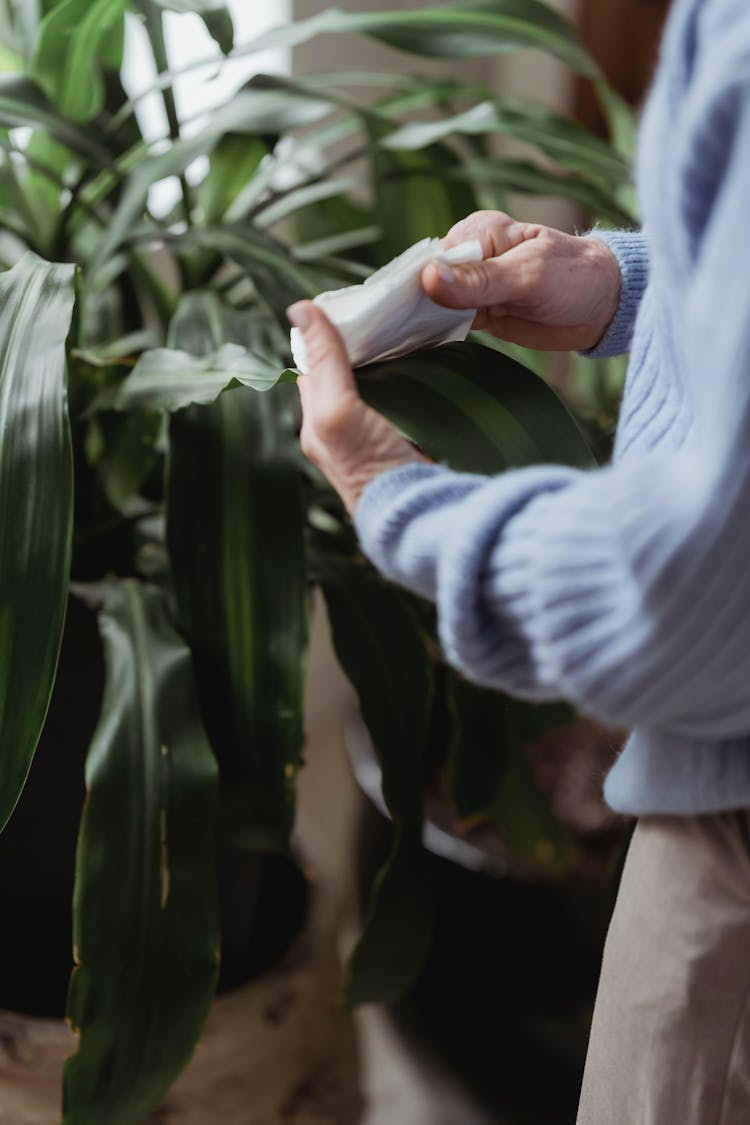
{"points": [[626, 589]]}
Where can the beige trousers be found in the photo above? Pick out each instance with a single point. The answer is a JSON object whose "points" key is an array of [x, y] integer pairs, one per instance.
{"points": [[670, 1040]]}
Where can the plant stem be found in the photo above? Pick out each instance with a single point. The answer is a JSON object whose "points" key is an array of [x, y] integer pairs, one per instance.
{"points": [[155, 30]]}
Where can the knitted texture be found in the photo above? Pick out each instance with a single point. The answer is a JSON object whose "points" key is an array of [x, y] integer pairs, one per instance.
{"points": [[626, 589], [631, 250]]}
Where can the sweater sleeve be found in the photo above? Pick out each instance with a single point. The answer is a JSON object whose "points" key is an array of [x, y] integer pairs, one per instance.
{"points": [[625, 589], [631, 251]]}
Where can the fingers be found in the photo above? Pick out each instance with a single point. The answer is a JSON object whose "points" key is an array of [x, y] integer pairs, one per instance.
{"points": [[496, 231], [494, 281], [327, 361], [471, 285], [328, 394]]}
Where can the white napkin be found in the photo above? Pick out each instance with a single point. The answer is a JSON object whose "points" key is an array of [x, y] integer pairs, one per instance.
{"points": [[390, 314]]}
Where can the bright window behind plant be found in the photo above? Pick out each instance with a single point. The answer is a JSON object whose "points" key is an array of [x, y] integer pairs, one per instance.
{"points": [[198, 92]]}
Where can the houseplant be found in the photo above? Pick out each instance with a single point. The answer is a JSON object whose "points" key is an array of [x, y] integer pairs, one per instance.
{"points": [[149, 453]]}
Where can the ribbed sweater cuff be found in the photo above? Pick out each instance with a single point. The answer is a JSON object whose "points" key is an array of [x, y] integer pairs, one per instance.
{"points": [[387, 509], [631, 251]]}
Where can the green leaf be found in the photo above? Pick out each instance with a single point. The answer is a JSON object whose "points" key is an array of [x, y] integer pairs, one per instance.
{"points": [[623, 129], [478, 29], [119, 351], [530, 179], [251, 112], [398, 927], [203, 323], [232, 165], [474, 408], [122, 449], [145, 907], [558, 137], [76, 39], [214, 14], [13, 196], [623, 121], [305, 196], [337, 243], [46, 161], [277, 277], [166, 379], [36, 505], [381, 650], [9, 60], [482, 29], [414, 199], [235, 537], [22, 102], [535, 361]]}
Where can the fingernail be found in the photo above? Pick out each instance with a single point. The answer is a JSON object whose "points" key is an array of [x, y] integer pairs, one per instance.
{"points": [[298, 315], [446, 273]]}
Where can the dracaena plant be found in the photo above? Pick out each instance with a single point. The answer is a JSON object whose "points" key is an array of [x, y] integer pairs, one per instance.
{"points": [[149, 431]]}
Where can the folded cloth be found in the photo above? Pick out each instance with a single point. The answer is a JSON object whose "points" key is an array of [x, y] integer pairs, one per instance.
{"points": [[390, 314]]}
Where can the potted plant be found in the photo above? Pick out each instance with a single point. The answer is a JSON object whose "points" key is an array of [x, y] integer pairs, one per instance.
{"points": [[149, 457]]}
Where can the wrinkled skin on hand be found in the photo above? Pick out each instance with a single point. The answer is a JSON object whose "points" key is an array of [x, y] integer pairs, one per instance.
{"points": [[349, 441], [536, 286]]}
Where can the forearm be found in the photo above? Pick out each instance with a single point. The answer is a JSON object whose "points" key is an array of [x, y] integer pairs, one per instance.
{"points": [[600, 587]]}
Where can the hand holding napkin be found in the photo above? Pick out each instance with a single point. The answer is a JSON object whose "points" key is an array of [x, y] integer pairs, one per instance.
{"points": [[390, 314]]}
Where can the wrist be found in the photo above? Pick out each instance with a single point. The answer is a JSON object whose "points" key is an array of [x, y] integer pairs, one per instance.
{"points": [[358, 482]]}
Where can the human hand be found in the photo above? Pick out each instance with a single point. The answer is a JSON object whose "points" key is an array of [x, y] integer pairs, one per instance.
{"points": [[349, 441], [536, 286]]}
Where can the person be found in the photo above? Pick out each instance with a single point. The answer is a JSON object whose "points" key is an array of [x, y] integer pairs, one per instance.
{"points": [[625, 588]]}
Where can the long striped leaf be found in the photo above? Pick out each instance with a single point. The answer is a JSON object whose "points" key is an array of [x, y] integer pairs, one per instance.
{"points": [[168, 379], [233, 163], [36, 505], [559, 137], [235, 536], [253, 112], [235, 543], [476, 29], [379, 646], [476, 409], [146, 917], [76, 39], [530, 179], [414, 199], [23, 102], [278, 278]]}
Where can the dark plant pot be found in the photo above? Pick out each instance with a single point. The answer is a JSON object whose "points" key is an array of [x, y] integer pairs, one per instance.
{"points": [[263, 899], [505, 997]]}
